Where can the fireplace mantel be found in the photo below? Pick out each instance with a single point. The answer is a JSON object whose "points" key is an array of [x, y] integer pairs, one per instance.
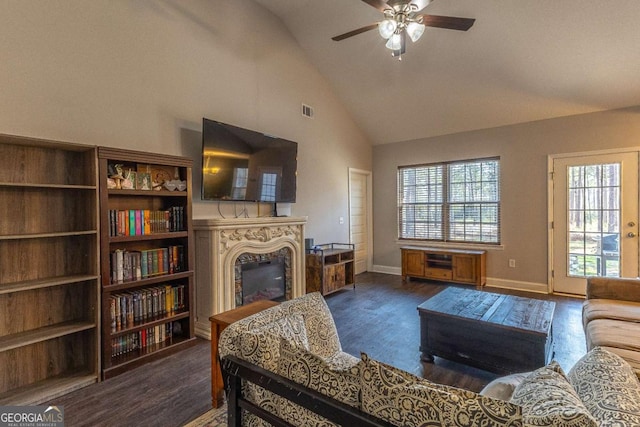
{"points": [[219, 242]]}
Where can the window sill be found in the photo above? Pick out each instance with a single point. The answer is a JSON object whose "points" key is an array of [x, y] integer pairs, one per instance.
{"points": [[449, 245]]}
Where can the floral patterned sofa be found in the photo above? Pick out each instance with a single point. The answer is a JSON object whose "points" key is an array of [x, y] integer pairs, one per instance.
{"points": [[285, 366]]}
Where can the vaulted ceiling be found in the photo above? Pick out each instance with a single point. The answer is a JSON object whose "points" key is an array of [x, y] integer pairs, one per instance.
{"points": [[523, 60]]}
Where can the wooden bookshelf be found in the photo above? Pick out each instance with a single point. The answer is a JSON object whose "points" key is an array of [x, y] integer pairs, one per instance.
{"points": [[153, 332], [49, 276]]}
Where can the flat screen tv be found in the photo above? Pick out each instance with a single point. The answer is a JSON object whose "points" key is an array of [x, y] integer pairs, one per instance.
{"points": [[243, 165]]}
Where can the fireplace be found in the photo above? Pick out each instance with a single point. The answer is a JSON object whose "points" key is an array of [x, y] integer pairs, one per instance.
{"points": [[223, 245], [262, 280], [263, 276]]}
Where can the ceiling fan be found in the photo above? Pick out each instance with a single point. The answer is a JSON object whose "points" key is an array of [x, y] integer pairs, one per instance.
{"points": [[402, 18]]}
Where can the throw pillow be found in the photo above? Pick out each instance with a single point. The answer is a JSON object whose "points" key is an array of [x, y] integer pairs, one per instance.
{"points": [[406, 400], [503, 387], [547, 399], [608, 387]]}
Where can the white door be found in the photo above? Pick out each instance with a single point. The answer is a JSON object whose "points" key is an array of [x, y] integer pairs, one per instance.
{"points": [[595, 216], [360, 226]]}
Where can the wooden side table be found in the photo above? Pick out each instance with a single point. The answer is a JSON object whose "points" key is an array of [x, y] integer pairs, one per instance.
{"points": [[218, 324]]}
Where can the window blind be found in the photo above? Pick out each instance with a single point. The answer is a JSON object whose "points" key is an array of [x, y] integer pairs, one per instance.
{"points": [[455, 201]]}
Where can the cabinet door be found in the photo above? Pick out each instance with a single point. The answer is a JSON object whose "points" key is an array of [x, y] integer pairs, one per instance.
{"points": [[340, 277], [465, 268], [413, 263], [334, 277]]}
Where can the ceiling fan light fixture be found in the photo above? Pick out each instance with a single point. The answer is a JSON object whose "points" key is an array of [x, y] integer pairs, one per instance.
{"points": [[415, 31], [394, 42], [387, 27]]}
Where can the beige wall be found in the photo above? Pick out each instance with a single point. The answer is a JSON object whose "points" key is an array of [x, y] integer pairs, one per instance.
{"points": [[524, 150], [142, 74]]}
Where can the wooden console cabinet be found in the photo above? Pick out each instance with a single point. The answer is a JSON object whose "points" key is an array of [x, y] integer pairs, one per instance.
{"points": [[330, 267], [450, 265]]}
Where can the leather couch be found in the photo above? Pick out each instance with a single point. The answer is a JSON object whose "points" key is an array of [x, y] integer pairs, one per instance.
{"points": [[611, 317]]}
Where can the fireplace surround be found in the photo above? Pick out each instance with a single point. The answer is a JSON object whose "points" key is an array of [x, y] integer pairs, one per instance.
{"points": [[223, 244]]}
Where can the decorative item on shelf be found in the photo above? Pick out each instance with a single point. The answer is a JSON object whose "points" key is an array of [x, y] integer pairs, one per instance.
{"points": [[175, 184], [129, 181], [115, 172], [143, 181]]}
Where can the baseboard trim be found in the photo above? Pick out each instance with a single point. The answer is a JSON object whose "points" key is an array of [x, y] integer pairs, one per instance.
{"points": [[492, 282], [516, 285], [203, 330], [387, 269]]}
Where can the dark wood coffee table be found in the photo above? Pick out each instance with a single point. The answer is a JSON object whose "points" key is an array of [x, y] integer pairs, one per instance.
{"points": [[494, 332]]}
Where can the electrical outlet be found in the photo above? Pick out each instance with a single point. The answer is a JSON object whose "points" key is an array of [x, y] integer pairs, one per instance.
{"points": [[341, 220], [512, 263]]}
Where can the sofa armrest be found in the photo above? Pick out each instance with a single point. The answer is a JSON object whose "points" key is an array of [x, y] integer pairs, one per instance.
{"points": [[613, 288]]}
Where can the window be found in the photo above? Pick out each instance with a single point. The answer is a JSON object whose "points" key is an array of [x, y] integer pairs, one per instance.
{"points": [[240, 179], [450, 202], [268, 187]]}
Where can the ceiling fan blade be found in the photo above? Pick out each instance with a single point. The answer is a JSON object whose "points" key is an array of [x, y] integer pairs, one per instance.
{"points": [[381, 5], [355, 32], [420, 4], [448, 22]]}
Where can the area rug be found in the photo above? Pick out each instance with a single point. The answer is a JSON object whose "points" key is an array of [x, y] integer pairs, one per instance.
{"points": [[213, 418]]}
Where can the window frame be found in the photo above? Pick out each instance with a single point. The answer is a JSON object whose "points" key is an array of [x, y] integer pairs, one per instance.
{"points": [[492, 207]]}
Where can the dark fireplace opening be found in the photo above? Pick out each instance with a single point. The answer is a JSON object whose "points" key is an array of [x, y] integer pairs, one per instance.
{"points": [[263, 280]]}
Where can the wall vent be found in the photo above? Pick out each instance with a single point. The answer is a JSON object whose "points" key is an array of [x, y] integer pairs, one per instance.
{"points": [[307, 111]]}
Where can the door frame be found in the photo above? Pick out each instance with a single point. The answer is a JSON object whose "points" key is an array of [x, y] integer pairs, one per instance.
{"points": [[369, 213], [551, 158]]}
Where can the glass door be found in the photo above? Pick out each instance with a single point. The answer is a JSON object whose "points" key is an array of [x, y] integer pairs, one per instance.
{"points": [[595, 205]]}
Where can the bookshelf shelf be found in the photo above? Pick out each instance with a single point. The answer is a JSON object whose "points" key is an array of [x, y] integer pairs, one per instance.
{"points": [[47, 389], [161, 193], [162, 278], [153, 323], [45, 283], [123, 363], [156, 236], [10, 342], [15, 185], [49, 280], [124, 256], [48, 235]]}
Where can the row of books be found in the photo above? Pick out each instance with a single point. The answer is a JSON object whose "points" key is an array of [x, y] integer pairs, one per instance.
{"points": [[140, 222], [145, 305], [144, 340], [129, 266]]}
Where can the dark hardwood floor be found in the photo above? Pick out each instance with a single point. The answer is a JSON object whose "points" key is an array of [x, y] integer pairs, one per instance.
{"points": [[379, 317]]}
